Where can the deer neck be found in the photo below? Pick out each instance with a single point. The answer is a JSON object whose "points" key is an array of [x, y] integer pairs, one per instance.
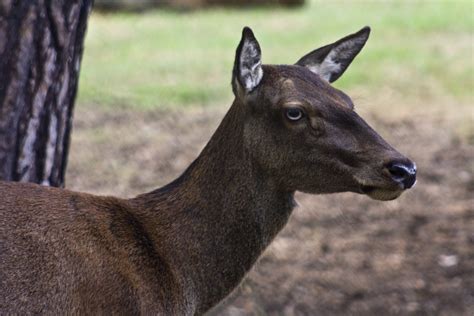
{"points": [[215, 220]]}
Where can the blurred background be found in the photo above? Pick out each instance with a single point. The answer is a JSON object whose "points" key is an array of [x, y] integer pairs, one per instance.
{"points": [[155, 83]]}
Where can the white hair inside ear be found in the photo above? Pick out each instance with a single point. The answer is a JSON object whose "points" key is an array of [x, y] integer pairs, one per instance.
{"points": [[327, 67], [250, 65]]}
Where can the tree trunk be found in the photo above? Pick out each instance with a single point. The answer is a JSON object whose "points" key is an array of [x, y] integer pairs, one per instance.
{"points": [[41, 44]]}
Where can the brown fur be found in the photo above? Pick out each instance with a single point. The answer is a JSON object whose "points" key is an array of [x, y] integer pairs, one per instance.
{"points": [[182, 248]]}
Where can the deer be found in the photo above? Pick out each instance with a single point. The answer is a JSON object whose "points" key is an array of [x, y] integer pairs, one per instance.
{"points": [[182, 248]]}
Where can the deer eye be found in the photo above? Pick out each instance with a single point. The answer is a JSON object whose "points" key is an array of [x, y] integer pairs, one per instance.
{"points": [[294, 114]]}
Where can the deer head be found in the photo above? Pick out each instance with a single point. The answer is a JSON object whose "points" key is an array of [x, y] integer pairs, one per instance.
{"points": [[304, 133]]}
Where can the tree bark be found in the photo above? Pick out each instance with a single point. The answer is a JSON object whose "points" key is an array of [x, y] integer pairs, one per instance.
{"points": [[41, 44]]}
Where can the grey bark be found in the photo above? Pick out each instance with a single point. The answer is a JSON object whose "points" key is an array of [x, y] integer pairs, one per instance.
{"points": [[41, 44]]}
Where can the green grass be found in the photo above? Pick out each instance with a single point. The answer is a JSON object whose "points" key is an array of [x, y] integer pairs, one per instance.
{"points": [[166, 58]]}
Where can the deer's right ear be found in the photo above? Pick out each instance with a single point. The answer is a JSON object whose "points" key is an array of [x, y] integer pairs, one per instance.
{"points": [[248, 71]]}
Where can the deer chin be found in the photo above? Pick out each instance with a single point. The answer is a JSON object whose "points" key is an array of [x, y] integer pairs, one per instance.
{"points": [[381, 194]]}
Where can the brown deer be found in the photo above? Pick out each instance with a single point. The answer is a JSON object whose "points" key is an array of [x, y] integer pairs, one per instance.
{"points": [[182, 248]]}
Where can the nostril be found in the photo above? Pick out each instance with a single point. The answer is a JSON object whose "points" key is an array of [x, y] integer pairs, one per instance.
{"points": [[403, 173], [397, 171]]}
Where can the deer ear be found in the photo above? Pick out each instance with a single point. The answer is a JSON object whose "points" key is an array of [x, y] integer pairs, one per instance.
{"points": [[247, 72], [330, 61]]}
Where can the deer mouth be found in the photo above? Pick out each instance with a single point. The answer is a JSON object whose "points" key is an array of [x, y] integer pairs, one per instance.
{"points": [[379, 193]]}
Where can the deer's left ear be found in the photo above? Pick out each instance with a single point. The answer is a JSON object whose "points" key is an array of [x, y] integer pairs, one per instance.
{"points": [[330, 61], [248, 71]]}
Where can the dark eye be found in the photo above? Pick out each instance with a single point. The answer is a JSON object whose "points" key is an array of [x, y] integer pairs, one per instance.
{"points": [[294, 114]]}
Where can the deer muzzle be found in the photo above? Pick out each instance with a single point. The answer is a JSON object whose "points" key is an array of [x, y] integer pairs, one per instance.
{"points": [[397, 176]]}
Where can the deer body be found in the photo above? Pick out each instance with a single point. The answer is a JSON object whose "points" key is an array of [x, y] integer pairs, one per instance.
{"points": [[176, 250], [182, 248]]}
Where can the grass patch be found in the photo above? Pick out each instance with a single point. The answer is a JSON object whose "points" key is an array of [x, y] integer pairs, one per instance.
{"points": [[170, 59]]}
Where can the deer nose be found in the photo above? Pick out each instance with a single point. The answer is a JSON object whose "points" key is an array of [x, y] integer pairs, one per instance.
{"points": [[403, 173]]}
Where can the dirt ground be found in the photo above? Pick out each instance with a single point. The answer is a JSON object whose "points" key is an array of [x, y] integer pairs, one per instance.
{"points": [[340, 254]]}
